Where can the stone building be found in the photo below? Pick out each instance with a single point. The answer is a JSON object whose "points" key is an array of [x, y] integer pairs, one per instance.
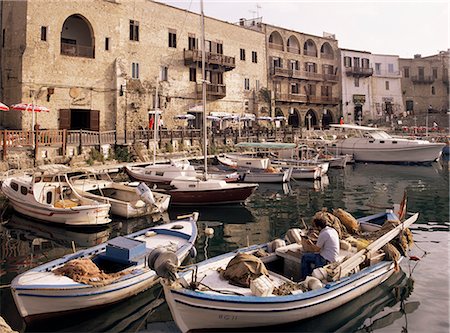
{"points": [[99, 64], [303, 77], [425, 83]]}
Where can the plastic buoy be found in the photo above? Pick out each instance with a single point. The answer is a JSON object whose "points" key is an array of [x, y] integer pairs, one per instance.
{"points": [[209, 231]]}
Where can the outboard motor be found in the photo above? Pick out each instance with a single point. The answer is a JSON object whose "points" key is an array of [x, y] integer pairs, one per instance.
{"points": [[164, 263], [145, 193]]}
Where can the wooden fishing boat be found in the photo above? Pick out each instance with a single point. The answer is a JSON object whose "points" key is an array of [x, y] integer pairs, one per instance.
{"points": [[48, 196], [42, 291], [201, 299], [125, 201]]}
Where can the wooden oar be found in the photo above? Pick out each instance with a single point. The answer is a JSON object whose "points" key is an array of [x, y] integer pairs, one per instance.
{"points": [[348, 265]]}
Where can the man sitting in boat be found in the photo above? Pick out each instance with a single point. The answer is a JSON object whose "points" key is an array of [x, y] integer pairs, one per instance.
{"points": [[325, 251]]}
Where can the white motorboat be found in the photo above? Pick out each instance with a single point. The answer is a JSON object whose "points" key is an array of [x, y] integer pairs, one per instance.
{"points": [[122, 271], [48, 196], [125, 200], [375, 145], [270, 175], [202, 299], [244, 161], [161, 173]]}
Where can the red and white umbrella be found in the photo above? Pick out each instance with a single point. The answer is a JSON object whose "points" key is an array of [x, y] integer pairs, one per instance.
{"points": [[3, 107], [29, 107]]}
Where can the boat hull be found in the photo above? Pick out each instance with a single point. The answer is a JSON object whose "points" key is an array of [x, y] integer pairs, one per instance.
{"points": [[77, 216], [211, 197], [365, 151], [61, 294], [30, 302], [236, 312]]}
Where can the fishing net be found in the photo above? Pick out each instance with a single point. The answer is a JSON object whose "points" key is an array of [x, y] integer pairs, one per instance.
{"points": [[243, 268], [86, 271]]}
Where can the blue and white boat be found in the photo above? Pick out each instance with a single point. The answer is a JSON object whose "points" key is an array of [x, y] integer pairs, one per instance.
{"points": [[43, 292], [201, 299]]}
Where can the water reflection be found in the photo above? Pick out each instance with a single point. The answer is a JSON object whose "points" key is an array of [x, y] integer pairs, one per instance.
{"points": [[32, 230], [273, 209]]}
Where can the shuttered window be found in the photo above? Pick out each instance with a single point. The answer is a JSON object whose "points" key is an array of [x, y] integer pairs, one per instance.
{"points": [[64, 119]]}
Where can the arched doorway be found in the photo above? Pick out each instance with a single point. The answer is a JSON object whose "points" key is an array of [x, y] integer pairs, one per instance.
{"points": [[310, 119], [294, 118], [327, 119], [77, 37]]}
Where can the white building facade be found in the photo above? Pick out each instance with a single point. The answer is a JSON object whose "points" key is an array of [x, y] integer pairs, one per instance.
{"points": [[356, 86], [387, 101], [371, 87]]}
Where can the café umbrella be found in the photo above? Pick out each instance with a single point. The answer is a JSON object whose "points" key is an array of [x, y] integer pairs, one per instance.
{"points": [[30, 108], [184, 116], [3, 107]]}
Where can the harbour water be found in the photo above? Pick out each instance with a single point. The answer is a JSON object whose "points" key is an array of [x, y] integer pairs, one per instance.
{"points": [[416, 299]]}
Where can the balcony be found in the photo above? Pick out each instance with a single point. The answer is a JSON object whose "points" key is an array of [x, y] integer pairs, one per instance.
{"points": [[76, 50], [327, 56], [294, 50], [213, 91], [330, 77], [215, 59], [323, 99], [278, 71], [420, 79], [394, 74], [311, 53], [290, 97], [274, 46], [359, 71]]}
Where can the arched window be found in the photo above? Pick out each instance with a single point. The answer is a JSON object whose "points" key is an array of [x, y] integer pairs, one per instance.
{"points": [[293, 46], [294, 118], [326, 51], [310, 119], [327, 119], [309, 48], [77, 37], [276, 41]]}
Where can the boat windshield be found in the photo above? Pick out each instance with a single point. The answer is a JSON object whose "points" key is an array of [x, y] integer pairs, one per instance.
{"points": [[379, 135]]}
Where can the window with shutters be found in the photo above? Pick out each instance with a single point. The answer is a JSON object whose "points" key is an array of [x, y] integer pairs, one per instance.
{"points": [[192, 42], [193, 74], [406, 71], [219, 47], [134, 30], [254, 57], [172, 38], [243, 54], [347, 62], [246, 84]]}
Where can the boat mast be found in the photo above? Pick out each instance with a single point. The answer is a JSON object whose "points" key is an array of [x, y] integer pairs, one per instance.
{"points": [[205, 138], [155, 128]]}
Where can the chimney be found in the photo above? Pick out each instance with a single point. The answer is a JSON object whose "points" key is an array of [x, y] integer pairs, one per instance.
{"points": [[242, 22], [417, 56]]}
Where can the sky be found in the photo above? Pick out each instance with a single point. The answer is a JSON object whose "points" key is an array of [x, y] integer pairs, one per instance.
{"points": [[402, 28]]}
